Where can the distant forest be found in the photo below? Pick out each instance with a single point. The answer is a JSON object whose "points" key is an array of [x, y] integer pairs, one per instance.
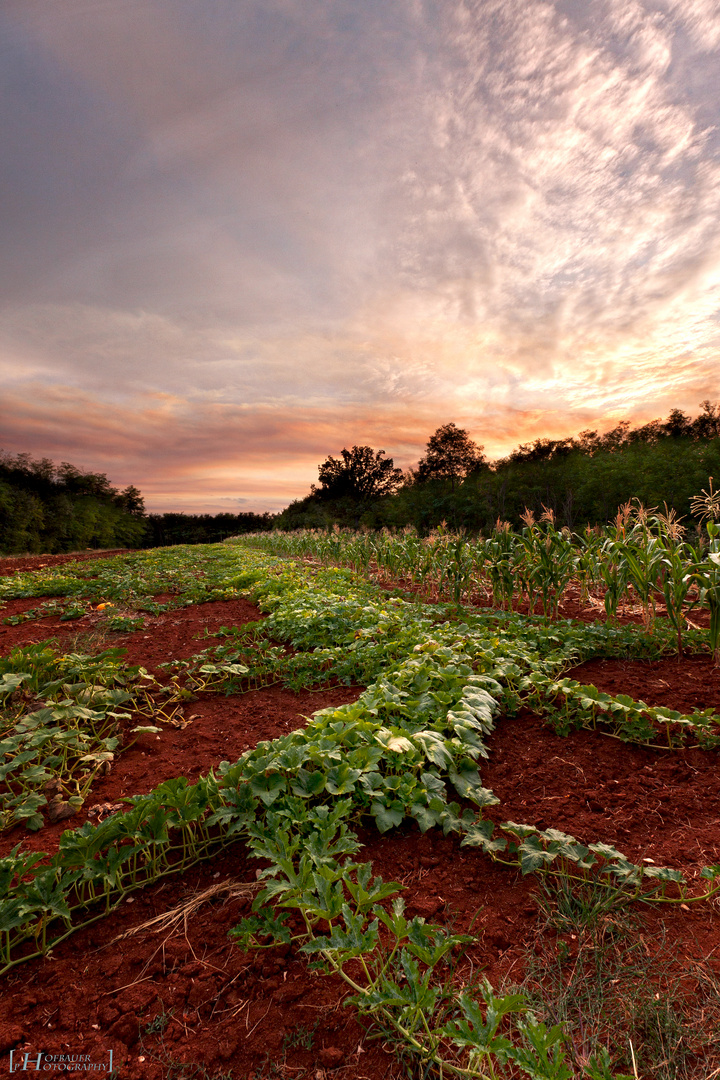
{"points": [[163, 530], [48, 508], [584, 480], [52, 508]]}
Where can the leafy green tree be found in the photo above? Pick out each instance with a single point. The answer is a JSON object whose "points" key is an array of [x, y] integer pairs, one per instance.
{"points": [[307, 513], [44, 508], [707, 424], [451, 455], [131, 501], [21, 520], [360, 474], [678, 425]]}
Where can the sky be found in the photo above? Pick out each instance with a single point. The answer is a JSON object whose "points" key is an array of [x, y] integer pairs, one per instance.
{"points": [[237, 236]]}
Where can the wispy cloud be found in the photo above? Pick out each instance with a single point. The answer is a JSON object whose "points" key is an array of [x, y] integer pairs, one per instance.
{"points": [[319, 225]]}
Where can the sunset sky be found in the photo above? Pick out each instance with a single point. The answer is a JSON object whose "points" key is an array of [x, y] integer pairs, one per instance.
{"points": [[239, 235]]}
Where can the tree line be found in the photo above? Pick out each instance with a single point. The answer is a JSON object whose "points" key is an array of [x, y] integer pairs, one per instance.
{"points": [[583, 479], [52, 508], [164, 530]]}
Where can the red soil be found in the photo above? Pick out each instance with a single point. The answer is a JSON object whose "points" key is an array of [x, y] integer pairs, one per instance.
{"points": [[235, 1013], [12, 564]]}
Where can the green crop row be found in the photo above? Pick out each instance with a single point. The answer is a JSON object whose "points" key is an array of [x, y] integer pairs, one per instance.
{"points": [[642, 559], [60, 725]]}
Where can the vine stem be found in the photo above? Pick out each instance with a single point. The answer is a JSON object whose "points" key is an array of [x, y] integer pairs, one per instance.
{"points": [[428, 1055]]}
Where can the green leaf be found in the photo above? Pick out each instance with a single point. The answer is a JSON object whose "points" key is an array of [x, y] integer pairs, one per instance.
{"points": [[533, 855], [308, 784], [268, 788], [662, 873], [387, 817], [479, 834], [518, 830], [341, 779], [606, 851]]}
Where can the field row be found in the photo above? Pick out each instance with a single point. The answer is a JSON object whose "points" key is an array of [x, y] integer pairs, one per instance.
{"points": [[642, 559], [411, 748]]}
